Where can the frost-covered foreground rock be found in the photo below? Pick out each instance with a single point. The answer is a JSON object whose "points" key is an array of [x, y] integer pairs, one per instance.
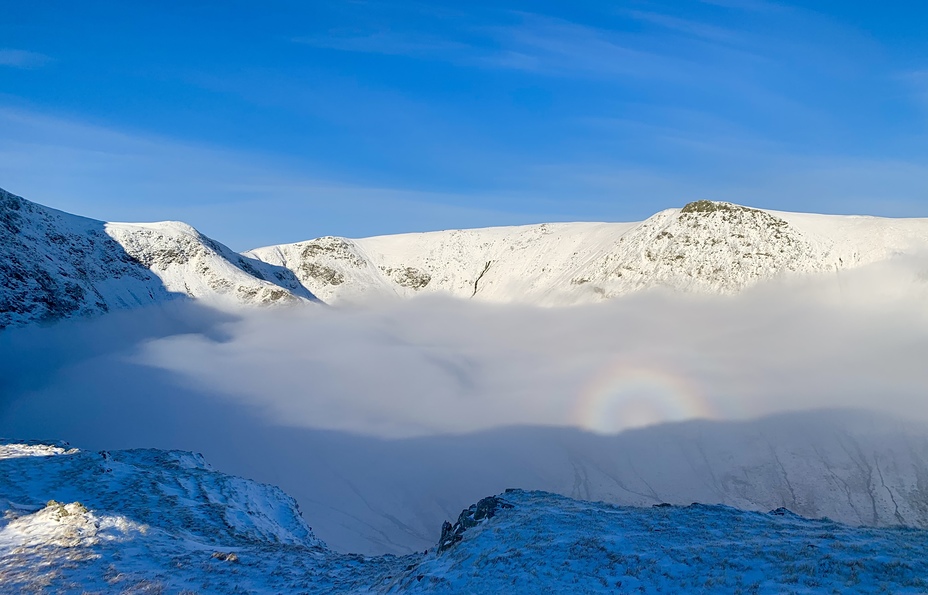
{"points": [[148, 521]]}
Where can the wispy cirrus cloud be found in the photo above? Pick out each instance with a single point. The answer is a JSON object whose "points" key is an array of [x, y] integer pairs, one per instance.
{"points": [[747, 5], [688, 26], [22, 58], [546, 45], [533, 43], [385, 42], [917, 80], [656, 45], [238, 196]]}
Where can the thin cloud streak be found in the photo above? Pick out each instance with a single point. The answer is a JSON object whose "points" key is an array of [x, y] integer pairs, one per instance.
{"points": [[22, 59], [385, 42], [538, 44], [748, 5], [674, 49], [689, 27], [557, 47], [917, 80], [240, 198], [234, 196]]}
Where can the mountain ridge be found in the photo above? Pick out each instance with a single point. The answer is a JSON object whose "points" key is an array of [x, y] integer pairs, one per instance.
{"points": [[704, 247], [56, 265]]}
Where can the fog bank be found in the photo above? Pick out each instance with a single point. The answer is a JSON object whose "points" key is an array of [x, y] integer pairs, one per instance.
{"points": [[436, 366], [384, 421]]}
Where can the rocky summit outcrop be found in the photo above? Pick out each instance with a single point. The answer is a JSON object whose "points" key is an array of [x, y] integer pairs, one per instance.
{"points": [[469, 517], [705, 246]]}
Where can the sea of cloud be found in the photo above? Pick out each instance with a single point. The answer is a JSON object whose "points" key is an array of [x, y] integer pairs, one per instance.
{"points": [[436, 366], [383, 420]]}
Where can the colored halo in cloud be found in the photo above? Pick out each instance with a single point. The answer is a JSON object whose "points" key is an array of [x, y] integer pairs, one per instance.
{"points": [[624, 395]]}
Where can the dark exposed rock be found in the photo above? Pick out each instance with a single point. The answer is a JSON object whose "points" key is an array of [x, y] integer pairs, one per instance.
{"points": [[225, 556], [709, 206], [322, 273], [331, 247], [408, 277], [469, 517], [448, 537], [783, 511]]}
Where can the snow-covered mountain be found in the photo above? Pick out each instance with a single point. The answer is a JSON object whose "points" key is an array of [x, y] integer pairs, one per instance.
{"points": [[704, 247], [55, 265], [149, 521]]}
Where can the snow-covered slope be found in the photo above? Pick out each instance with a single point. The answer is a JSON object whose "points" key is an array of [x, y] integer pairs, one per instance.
{"points": [[703, 247], [373, 496], [163, 521], [199, 267], [539, 542], [54, 265], [173, 491]]}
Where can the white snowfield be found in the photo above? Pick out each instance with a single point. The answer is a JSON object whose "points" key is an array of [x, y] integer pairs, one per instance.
{"points": [[55, 265], [148, 521]]}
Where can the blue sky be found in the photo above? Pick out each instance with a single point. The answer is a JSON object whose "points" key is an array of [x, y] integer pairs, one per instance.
{"points": [[278, 121]]}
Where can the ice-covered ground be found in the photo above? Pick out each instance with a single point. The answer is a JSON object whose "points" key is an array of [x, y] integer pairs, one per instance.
{"points": [[148, 521]]}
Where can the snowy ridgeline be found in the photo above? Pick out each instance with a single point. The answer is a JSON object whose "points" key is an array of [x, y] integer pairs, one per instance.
{"points": [[705, 247], [149, 521], [54, 265]]}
